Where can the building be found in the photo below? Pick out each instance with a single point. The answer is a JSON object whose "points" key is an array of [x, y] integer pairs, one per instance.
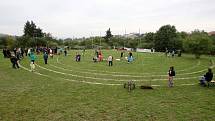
{"points": [[212, 33]]}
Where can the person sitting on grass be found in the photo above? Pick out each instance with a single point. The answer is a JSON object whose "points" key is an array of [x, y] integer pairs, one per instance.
{"points": [[207, 77]]}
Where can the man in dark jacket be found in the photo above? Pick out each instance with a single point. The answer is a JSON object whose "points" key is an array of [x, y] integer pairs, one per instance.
{"points": [[14, 61], [45, 56], [209, 75], [5, 53]]}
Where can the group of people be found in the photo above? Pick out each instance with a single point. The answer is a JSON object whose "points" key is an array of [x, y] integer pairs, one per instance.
{"points": [[18, 54], [98, 56], [6, 53], [172, 53], [204, 80]]}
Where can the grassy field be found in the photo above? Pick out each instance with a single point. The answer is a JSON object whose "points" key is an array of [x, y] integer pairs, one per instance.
{"points": [[65, 90]]}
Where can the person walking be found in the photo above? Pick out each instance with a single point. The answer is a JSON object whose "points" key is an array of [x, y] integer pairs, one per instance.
{"points": [[32, 58], [14, 61], [171, 74]]}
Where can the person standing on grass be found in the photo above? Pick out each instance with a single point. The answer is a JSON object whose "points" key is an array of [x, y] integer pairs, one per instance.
{"points": [[26, 51], [121, 54], [32, 58], [65, 52], [14, 61], [110, 60], [45, 57], [5, 53], [171, 75], [51, 53], [8, 53]]}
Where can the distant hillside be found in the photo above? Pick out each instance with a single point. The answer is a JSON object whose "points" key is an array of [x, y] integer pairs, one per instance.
{"points": [[4, 35]]}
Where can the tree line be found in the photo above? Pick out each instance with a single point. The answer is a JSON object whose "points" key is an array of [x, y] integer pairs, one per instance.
{"points": [[33, 37], [167, 37]]}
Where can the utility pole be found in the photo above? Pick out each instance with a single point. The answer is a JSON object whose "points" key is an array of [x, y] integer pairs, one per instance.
{"points": [[100, 40], [125, 38], [92, 40]]}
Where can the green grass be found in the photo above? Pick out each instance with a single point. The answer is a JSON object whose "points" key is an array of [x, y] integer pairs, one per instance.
{"points": [[69, 90]]}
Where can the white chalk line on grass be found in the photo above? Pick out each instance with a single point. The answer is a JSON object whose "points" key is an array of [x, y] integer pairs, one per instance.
{"points": [[94, 83], [86, 72], [112, 79], [191, 73], [196, 72], [192, 67], [131, 74], [76, 75]]}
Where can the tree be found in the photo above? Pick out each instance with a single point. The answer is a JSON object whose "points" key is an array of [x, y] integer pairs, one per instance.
{"points": [[31, 30], [165, 38], [148, 41], [198, 43], [10, 41], [23, 41], [108, 36], [38, 33], [3, 42]]}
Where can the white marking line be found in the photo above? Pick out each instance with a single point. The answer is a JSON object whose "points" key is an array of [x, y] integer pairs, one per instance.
{"points": [[151, 75], [94, 83], [77, 75], [192, 67], [101, 73], [129, 75], [112, 79]]}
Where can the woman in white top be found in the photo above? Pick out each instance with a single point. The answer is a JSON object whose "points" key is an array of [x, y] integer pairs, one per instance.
{"points": [[110, 60]]}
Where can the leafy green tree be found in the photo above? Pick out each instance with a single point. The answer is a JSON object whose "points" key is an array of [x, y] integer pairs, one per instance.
{"points": [[108, 36], [10, 42], [165, 37], [38, 33], [198, 43], [149, 37], [3, 42], [23, 41], [31, 30], [148, 40]]}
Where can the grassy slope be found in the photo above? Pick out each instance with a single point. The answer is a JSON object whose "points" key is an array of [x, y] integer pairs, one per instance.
{"points": [[27, 96]]}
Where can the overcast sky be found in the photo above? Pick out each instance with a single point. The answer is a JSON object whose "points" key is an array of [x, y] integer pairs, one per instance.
{"points": [[78, 18]]}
